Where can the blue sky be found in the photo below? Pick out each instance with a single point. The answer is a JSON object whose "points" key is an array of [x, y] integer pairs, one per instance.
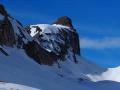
{"points": [[97, 21]]}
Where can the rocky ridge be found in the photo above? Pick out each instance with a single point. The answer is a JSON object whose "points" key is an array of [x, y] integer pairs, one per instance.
{"points": [[46, 44]]}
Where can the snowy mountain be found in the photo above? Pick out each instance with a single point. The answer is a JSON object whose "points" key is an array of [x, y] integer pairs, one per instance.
{"points": [[47, 57]]}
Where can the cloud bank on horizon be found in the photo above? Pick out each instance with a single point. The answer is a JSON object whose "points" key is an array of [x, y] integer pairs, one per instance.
{"points": [[103, 43]]}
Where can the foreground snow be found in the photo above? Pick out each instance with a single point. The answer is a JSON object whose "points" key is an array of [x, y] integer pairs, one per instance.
{"points": [[10, 86], [19, 68]]}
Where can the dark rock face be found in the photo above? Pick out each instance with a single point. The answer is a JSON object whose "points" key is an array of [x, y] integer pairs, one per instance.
{"points": [[75, 42], [55, 42], [74, 37], [66, 21], [39, 54], [12, 32], [6, 30], [3, 11]]}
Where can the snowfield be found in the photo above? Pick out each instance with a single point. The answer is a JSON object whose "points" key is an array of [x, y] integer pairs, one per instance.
{"points": [[10, 86], [47, 28], [20, 69], [110, 74]]}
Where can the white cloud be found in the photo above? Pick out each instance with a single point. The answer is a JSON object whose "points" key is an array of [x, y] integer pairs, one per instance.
{"points": [[100, 43]]}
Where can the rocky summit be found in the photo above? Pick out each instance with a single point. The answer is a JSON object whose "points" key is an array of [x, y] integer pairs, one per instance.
{"points": [[55, 40], [65, 20]]}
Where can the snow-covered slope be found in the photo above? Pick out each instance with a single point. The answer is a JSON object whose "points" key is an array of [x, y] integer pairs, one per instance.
{"points": [[110, 74], [10, 86], [20, 69], [48, 41]]}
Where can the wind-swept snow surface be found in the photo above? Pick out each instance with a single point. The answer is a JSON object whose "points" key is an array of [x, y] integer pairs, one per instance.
{"points": [[47, 28], [110, 74], [10, 86], [20, 69]]}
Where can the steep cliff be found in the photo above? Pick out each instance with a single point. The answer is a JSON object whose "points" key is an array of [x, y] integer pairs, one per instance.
{"points": [[12, 32]]}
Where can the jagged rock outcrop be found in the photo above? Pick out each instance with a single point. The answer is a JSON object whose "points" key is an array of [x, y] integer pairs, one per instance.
{"points": [[56, 39], [3, 11], [12, 32], [6, 30], [66, 21], [39, 54]]}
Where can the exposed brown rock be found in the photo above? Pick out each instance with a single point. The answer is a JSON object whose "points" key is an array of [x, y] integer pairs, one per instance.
{"points": [[69, 36], [66, 21], [7, 36], [39, 54], [6, 30]]}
